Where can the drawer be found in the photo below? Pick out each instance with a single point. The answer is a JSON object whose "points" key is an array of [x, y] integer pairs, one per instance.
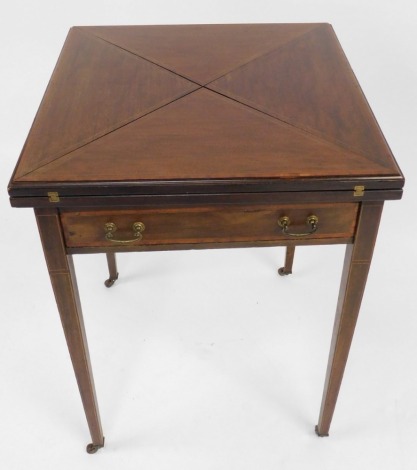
{"points": [[208, 224]]}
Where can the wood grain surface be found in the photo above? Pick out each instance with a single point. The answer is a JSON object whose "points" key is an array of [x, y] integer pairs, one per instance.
{"points": [[132, 108]]}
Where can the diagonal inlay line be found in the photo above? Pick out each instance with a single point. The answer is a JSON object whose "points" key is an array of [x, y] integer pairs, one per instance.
{"points": [[262, 55], [231, 95], [101, 136], [145, 58], [311, 133], [282, 119], [183, 65], [45, 142], [268, 84], [137, 140]]}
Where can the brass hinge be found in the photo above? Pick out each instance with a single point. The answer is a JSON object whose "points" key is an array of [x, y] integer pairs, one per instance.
{"points": [[358, 190], [53, 197]]}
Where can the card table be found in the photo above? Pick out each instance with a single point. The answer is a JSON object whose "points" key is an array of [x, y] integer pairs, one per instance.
{"points": [[204, 136]]}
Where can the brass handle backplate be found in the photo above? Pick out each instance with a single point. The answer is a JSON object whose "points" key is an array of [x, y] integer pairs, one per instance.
{"points": [[284, 223], [110, 228]]}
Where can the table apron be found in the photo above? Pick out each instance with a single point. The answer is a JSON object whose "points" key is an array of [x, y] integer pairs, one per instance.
{"points": [[208, 227]]}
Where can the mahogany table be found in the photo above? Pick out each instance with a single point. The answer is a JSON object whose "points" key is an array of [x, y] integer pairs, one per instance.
{"points": [[204, 136]]}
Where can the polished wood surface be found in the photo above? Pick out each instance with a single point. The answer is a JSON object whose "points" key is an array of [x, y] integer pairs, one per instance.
{"points": [[308, 83], [201, 53], [207, 135], [286, 109], [227, 139], [109, 89]]}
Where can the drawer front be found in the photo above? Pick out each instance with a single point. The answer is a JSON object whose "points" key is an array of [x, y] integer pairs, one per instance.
{"points": [[206, 224]]}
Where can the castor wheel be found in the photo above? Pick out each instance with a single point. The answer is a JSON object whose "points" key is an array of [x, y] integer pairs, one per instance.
{"points": [[282, 272], [93, 448], [109, 282]]}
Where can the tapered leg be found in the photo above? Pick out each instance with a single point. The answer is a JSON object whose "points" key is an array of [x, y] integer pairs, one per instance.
{"points": [[61, 272], [355, 272], [289, 259], [113, 274]]}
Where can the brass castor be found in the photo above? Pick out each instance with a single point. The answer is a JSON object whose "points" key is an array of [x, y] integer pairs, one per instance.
{"points": [[289, 258], [93, 448], [109, 282]]}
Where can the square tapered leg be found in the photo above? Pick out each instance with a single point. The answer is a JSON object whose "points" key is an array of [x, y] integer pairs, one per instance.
{"points": [[64, 284], [355, 272]]}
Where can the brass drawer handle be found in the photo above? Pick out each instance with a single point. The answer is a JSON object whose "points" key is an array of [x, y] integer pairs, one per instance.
{"points": [[312, 221], [110, 228]]}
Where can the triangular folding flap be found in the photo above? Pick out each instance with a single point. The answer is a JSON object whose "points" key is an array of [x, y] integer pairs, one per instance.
{"points": [[309, 84], [206, 136], [201, 53], [95, 89]]}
